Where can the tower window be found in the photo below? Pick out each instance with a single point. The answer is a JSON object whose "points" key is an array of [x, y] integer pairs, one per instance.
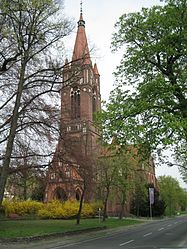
{"points": [[75, 103], [94, 103], [94, 106]]}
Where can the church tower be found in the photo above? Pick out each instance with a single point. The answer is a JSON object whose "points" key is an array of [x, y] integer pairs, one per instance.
{"points": [[80, 99]]}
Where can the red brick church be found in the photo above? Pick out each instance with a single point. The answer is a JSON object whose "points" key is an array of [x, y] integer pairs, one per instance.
{"points": [[80, 99]]}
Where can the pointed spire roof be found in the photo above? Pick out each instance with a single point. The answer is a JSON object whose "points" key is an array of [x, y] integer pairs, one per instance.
{"points": [[66, 65], [95, 69], [81, 50]]}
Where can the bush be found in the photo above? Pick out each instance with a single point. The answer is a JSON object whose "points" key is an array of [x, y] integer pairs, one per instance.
{"points": [[64, 210], [51, 210], [96, 206], [21, 208]]}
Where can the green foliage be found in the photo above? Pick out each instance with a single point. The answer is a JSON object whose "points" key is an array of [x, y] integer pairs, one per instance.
{"points": [[172, 194], [158, 208], [148, 105], [96, 206], [141, 204]]}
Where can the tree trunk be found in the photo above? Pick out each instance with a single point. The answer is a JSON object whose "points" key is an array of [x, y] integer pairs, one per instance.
{"points": [[25, 188], [25, 177], [80, 207], [137, 209], [105, 205], [11, 136], [122, 207]]}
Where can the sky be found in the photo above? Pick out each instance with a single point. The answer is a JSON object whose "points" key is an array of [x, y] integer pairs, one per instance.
{"points": [[100, 17]]}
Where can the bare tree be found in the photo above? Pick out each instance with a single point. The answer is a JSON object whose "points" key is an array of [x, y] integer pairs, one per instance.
{"points": [[25, 173], [31, 78], [8, 56]]}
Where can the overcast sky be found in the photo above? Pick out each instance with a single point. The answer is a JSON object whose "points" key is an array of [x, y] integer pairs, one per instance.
{"points": [[100, 17]]}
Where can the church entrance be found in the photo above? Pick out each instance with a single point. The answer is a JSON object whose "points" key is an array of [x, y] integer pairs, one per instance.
{"points": [[78, 194], [60, 194]]}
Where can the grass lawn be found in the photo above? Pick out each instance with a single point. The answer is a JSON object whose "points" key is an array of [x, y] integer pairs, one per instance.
{"points": [[24, 228]]}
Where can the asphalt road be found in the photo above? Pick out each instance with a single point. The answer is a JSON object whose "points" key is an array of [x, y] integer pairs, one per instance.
{"points": [[171, 233]]}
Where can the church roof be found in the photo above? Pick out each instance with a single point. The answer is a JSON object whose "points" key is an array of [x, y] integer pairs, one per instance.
{"points": [[81, 50]]}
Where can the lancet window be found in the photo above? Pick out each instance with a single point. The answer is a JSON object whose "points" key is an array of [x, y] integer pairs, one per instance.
{"points": [[94, 107], [75, 103]]}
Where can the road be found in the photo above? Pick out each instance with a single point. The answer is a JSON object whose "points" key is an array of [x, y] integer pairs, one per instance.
{"points": [[168, 233], [171, 233]]}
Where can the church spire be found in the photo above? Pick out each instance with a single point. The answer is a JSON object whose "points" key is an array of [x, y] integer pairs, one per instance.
{"points": [[81, 50]]}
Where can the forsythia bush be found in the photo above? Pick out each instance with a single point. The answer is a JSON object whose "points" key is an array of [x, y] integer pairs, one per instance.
{"points": [[68, 209], [52, 210], [21, 207]]}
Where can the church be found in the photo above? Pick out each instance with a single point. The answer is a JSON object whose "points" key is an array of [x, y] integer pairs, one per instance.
{"points": [[80, 99], [78, 143]]}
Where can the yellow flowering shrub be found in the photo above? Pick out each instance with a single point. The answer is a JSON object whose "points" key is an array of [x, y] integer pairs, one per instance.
{"points": [[70, 208], [51, 210], [64, 210], [21, 207]]}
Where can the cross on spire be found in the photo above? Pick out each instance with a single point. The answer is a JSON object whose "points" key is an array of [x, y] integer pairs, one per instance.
{"points": [[81, 7]]}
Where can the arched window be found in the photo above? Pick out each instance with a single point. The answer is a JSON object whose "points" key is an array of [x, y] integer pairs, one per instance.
{"points": [[94, 106], [75, 103]]}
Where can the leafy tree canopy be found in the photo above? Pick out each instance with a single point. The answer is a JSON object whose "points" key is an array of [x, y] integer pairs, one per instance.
{"points": [[149, 102], [173, 195]]}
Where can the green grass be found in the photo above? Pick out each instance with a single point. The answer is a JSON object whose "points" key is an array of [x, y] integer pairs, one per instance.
{"points": [[24, 228]]}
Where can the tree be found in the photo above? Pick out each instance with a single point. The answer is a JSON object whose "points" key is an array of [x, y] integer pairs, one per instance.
{"points": [[122, 176], [107, 167], [85, 168], [141, 201], [26, 177], [140, 195], [124, 182], [7, 56], [171, 194], [158, 208], [148, 105], [106, 175], [31, 79], [77, 170]]}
